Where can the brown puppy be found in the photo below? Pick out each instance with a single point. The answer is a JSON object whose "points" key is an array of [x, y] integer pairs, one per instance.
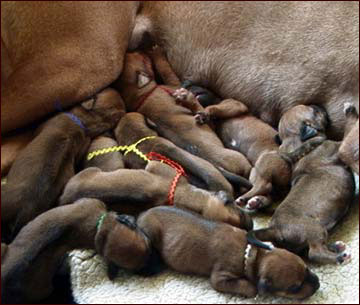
{"points": [[140, 91], [42, 169], [322, 190], [107, 162], [33, 258], [132, 191], [187, 243], [245, 133], [349, 148], [133, 127]]}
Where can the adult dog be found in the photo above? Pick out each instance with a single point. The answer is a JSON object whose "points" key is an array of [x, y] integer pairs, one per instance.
{"points": [[272, 56]]}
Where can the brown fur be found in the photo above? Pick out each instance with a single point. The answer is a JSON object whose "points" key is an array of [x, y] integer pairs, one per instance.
{"points": [[349, 148], [33, 258], [322, 190], [132, 127], [171, 120], [42, 169], [189, 244], [132, 191], [108, 162]]}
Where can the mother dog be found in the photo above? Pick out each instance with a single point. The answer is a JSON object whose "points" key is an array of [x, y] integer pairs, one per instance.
{"points": [[272, 56]]}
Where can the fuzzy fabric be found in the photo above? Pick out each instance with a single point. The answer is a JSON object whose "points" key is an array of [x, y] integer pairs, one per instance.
{"points": [[338, 284]]}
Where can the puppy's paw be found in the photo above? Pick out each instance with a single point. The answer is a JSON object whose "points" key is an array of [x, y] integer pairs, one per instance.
{"points": [[349, 108], [202, 118], [256, 203], [241, 201], [180, 95], [337, 246], [343, 258]]}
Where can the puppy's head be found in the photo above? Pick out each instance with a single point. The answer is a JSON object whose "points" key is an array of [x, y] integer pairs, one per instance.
{"points": [[102, 112], [285, 274], [299, 124], [136, 76], [122, 244]]}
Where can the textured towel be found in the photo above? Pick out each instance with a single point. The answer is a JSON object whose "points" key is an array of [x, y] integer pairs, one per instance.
{"points": [[338, 284]]}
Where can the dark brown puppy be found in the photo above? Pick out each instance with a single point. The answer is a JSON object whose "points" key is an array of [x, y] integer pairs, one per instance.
{"points": [[132, 191], [190, 244], [321, 193], [106, 162], [140, 91], [349, 148], [33, 258], [42, 169], [133, 127], [245, 133]]}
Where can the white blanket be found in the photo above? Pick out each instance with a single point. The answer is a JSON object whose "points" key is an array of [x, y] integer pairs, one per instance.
{"points": [[338, 284]]}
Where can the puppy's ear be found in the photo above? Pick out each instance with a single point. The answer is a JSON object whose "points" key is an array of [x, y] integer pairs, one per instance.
{"points": [[263, 285], [142, 79], [112, 271], [321, 116], [89, 104], [277, 140], [307, 132], [127, 220]]}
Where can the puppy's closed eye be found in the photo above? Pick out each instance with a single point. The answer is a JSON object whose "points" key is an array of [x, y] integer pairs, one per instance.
{"points": [[277, 139], [307, 132], [127, 220]]}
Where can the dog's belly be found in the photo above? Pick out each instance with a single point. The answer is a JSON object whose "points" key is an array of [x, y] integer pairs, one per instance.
{"points": [[271, 56]]}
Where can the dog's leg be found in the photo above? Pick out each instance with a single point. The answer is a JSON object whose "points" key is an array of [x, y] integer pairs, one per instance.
{"points": [[320, 253], [163, 67], [195, 166], [227, 109], [188, 100], [225, 281]]}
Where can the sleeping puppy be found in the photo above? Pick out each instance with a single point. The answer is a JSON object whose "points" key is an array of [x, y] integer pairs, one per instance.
{"points": [[245, 133], [322, 190], [133, 127], [141, 93], [190, 244], [32, 259], [42, 169], [132, 191], [106, 162]]}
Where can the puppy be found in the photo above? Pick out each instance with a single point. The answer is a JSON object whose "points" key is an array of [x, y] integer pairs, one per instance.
{"points": [[108, 162], [349, 148], [189, 244], [141, 93], [42, 169], [245, 133], [132, 191], [322, 190], [133, 127], [32, 259]]}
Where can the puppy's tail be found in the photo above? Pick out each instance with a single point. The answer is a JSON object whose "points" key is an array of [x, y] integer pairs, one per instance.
{"points": [[256, 238], [304, 149], [235, 179]]}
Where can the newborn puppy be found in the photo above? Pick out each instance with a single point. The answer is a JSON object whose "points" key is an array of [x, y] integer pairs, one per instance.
{"points": [[141, 93], [321, 193], [33, 258], [132, 191], [189, 244], [133, 127], [245, 133], [349, 148], [108, 162], [42, 169]]}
